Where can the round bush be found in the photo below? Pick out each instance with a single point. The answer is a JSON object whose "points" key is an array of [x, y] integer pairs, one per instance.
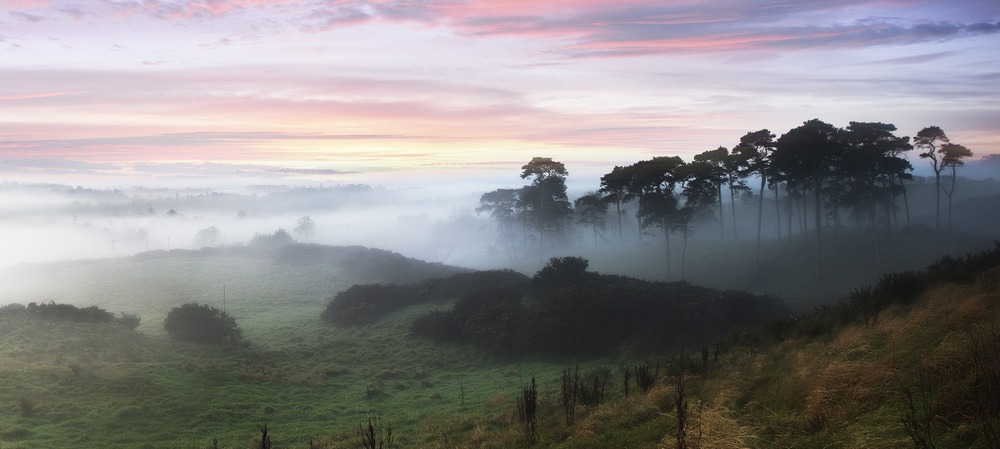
{"points": [[199, 323]]}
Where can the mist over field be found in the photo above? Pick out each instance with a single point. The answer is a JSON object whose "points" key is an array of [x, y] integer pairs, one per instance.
{"points": [[436, 223], [179, 316]]}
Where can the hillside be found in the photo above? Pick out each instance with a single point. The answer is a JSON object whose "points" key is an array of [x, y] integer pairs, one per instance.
{"points": [[912, 374], [837, 377], [788, 267]]}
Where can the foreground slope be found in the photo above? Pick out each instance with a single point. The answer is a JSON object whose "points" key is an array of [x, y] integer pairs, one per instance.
{"points": [[909, 372]]}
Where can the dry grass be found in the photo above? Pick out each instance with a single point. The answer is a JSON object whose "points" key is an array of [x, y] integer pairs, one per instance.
{"points": [[844, 390], [717, 427]]}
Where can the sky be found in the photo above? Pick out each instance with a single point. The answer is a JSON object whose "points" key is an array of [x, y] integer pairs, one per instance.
{"points": [[203, 92]]}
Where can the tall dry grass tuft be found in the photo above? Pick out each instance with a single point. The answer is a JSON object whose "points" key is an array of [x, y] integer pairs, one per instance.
{"points": [[718, 427], [845, 389]]}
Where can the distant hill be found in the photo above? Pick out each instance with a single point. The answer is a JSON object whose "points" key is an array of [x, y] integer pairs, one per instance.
{"points": [[976, 216], [262, 276]]}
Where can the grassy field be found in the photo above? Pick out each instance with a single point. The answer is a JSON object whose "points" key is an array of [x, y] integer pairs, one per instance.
{"points": [[100, 385]]}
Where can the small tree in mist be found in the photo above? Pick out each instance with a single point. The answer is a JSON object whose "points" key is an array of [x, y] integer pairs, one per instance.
{"points": [[546, 195], [305, 227], [207, 237], [592, 210]]}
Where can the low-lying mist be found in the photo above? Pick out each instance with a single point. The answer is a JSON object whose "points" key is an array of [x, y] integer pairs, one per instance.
{"points": [[47, 223], [42, 223]]}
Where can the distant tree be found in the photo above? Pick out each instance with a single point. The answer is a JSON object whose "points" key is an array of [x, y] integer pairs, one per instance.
{"points": [[951, 156], [755, 148], [550, 206], [737, 168], [172, 213], [716, 174], [199, 323], [615, 187], [656, 180], [207, 237], [700, 187], [592, 210], [868, 171], [305, 227], [809, 154], [242, 214], [928, 140], [502, 206]]}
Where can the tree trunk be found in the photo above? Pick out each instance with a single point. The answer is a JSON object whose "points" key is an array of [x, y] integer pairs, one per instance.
{"points": [[949, 193], [666, 235], [871, 218], [684, 251], [906, 202], [817, 195], [618, 207], [722, 227], [790, 207], [732, 202], [760, 216], [937, 199], [777, 211], [803, 214]]}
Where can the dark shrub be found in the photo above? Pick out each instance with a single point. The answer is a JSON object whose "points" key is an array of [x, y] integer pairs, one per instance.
{"points": [[199, 323], [128, 320], [561, 272], [58, 312], [489, 319], [366, 303], [461, 284]]}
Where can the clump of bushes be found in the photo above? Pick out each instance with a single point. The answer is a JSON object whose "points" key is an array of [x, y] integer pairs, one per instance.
{"points": [[490, 319], [199, 323], [581, 313], [52, 311], [278, 238], [129, 321], [366, 303]]}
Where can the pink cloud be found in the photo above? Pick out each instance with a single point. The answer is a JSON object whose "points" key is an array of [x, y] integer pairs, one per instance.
{"points": [[25, 4]]}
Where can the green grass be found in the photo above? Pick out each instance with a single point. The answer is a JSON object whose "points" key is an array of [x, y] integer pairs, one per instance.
{"points": [[303, 377], [99, 385]]}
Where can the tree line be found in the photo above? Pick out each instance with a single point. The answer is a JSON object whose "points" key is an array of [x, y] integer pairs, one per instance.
{"points": [[855, 174]]}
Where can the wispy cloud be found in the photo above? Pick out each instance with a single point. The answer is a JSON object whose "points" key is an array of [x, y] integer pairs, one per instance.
{"points": [[33, 96], [31, 18]]}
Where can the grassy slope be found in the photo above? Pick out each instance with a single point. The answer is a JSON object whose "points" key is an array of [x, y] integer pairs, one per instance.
{"points": [[102, 386], [840, 390]]}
